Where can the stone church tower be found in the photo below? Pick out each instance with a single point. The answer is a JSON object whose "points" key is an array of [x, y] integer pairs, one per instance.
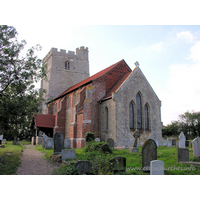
{"points": [[63, 71]]}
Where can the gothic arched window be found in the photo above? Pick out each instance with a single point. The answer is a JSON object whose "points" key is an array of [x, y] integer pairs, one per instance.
{"points": [[67, 66], [106, 118], [131, 115], [146, 117], [139, 111]]}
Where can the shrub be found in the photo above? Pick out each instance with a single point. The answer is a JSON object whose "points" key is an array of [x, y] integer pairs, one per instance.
{"points": [[89, 137], [98, 146]]}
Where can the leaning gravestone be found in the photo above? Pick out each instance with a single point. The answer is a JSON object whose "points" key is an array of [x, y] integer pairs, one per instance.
{"points": [[169, 143], [67, 143], [182, 155], [68, 154], [118, 163], [110, 141], [58, 142], [149, 153], [196, 146], [49, 143], [157, 167], [83, 167], [182, 140]]}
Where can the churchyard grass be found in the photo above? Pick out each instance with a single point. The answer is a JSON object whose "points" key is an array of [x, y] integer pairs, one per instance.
{"points": [[10, 153], [134, 161]]}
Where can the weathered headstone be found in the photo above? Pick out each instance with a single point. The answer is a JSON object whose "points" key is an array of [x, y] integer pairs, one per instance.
{"points": [[45, 137], [118, 163], [97, 139], [173, 142], [1, 138], [177, 144], [164, 142], [58, 142], [39, 140], [68, 154], [157, 167], [182, 140], [110, 141], [169, 143], [196, 146], [182, 155], [49, 143], [134, 148], [149, 153], [15, 140], [17, 143], [67, 143], [83, 167]]}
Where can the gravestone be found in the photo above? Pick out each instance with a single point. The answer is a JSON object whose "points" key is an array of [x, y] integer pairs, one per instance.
{"points": [[187, 143], [1, 138], [45, 137], [173, 142], [67, 143], [182, 140], [39, 140], [164, 142], [83, 167], [68, 154], [134, 148], [118, 163], [15, 140], [196, 146], [169, 143], [157, 167], [177, 144], [182, 155], [97, 139], [17, 143], [110, 141], [49, 143], [149, 153], [58, 142]]}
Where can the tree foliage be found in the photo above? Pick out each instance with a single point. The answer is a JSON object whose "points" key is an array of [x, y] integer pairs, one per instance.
{"points": [[18, 97]]}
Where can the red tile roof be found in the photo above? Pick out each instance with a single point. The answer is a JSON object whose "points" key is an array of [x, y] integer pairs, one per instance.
{"points": [[44, 120], [88, 80]]}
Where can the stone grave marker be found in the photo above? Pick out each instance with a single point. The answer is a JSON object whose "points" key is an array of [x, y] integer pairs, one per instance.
{"points": [[58, 142], [39, 140], [157, 167], [49, 143], [174, 142], [182, 140], [45, 137], [196, 146], [182, 155], [67, 143], [164, 142], [149, 153], [83, 167], [17, 143], [169, 143], [177, 144], [110, 141], [15, 140], [118, 163], [134, 148], [1, 138], [97, 139], [68, 154]]}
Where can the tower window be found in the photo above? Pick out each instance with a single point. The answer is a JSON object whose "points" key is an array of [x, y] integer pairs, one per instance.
{"points": [[67, 66]]}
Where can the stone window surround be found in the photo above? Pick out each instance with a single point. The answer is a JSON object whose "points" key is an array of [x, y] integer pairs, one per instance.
{"points": [[67, 65]]}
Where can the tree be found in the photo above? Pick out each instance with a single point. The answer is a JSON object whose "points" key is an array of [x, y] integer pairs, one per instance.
{"points": [[172, 129], [19, 99]]}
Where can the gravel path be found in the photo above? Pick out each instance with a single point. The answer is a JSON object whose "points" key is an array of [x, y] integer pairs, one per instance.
{"points": [[33, 163]]}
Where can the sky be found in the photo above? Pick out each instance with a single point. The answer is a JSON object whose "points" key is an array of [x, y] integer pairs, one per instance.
{"points": [[168, 54]]}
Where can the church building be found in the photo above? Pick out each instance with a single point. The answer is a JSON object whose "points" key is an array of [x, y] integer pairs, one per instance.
{"points": [[112, 103]]}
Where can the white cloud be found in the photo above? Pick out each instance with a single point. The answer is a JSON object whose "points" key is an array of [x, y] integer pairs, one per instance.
{"points": [[183, 88], [157, 47], [186, 35]]}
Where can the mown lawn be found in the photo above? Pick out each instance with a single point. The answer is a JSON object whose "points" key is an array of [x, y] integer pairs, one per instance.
{"points": [[134, 161], [11, 154]]}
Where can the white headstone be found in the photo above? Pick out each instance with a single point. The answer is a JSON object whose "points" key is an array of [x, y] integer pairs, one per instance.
{"points": [[164, 142], [169, 143], [182, 140], [97, 139], [1, 137], [49, 143], [68, 154], [196, 146], [157, 167]]}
